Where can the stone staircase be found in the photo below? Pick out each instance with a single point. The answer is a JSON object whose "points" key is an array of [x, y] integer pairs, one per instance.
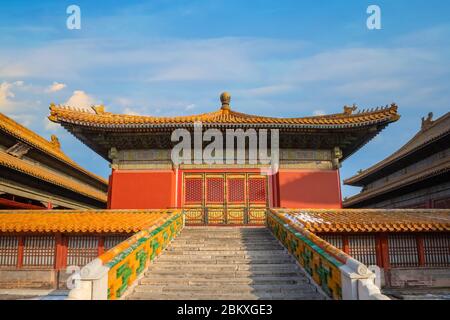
{"points": [[233, 263]]}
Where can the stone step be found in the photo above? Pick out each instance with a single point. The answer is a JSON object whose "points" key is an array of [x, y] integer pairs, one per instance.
{"points": [[233, 253], [237, 296], [221, 267], [205, 263], [264, 280], [221, 288], [223, 242], [226, 260], [222, 274], [204, 247]]}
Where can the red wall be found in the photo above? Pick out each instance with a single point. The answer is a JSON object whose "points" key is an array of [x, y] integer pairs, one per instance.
{"points": [[141, 189], [146, 189], [309, 189]]}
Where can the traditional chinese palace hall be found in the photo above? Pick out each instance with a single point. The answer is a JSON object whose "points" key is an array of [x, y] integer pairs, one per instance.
{"points": [[144, 176]]}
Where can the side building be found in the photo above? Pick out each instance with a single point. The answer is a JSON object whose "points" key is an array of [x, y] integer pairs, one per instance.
{"points": [[36, 174], [415, 176]]}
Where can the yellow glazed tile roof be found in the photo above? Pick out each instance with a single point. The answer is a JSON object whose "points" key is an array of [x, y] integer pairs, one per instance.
{"points": [[438, 168], [82, 221], [430, 131], [47, 175], [99, 118], [367, 220], [33, 139]]}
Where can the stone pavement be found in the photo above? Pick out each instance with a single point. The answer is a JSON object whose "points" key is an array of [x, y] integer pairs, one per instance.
{"points": [[32, 294]]}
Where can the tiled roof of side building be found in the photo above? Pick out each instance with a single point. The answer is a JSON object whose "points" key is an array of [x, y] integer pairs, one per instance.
{"points": [[53, 177], [86, 221], [430, 131], [33, 139], [439, 168], [224, 116], [368, 220]]}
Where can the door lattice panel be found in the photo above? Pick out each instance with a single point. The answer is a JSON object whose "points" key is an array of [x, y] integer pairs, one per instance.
{"points": [[193, 190], [236, 190], [225, 198], [257, 190], [215, 190]]}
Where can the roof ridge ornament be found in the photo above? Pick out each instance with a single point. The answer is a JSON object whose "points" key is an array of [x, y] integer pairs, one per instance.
{"points": [[428, 122], [225, 99], [55, 141], [100, 109], [349, 110]]}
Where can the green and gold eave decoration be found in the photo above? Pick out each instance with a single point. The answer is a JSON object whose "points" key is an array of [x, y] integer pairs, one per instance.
{"points": [[136, 253], [319, 261]]}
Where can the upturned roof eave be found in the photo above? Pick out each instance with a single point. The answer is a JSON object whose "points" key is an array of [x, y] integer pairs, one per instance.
{"points": [[364, 177], [29, 137]]}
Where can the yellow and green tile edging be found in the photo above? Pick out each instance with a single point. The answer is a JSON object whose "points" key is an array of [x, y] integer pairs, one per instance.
{"points": [[111, 274], [337, 274]]}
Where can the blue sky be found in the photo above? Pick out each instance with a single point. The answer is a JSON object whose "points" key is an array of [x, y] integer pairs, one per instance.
{"points": [[277, 58]]}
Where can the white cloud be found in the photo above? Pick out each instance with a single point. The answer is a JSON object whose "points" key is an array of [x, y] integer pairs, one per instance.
{"points": [[7, 96], [55, 86], [189, 107], [51, 126], [267, 90], [131, 112], [80, 99], [319, 112]]}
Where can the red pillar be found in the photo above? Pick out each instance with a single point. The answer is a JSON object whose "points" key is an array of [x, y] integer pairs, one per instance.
{"points": [[20, 252], [60, 259], [384, 251], [420, 250], [101, 245], [384, 246], [378, 251], [345, 244]]}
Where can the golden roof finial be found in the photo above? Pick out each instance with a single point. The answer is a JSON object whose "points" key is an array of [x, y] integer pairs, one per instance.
{"points": [[225, 98]]}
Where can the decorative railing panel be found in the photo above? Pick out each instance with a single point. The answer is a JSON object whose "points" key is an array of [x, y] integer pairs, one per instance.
{"points": [[111, 274], [320, 265], [337, 274]]}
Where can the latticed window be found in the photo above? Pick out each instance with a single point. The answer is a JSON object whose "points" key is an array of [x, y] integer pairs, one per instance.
{"points": [[81, 250], [257, 190], [333, 239], [193, 190], [236, 190], [39, 251], [215, 190], [363, 248], [8, 250], [403, 250], [112, 241], [436, 250]]}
